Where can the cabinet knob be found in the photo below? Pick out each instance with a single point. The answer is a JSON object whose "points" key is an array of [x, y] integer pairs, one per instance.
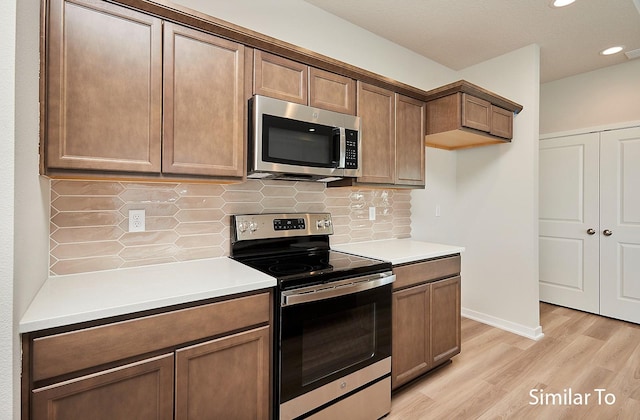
{"points": [[607, 232], [591, 231]]}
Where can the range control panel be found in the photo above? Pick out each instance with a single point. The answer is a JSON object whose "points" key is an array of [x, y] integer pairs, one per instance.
{"points": [[279, 225], [289, 224]]}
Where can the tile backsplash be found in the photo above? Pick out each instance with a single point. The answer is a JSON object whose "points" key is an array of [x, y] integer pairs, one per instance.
{"points": [[89, 219]]}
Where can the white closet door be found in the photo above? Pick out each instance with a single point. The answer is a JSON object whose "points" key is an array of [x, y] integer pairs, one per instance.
{"points": [[569, 254], [620, 214]]}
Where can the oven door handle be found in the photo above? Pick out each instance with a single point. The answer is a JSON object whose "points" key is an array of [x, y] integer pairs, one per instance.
{"points": [[345, 287]]}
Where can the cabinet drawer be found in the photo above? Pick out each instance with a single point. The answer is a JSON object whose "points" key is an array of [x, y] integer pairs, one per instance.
{"points": [[72, 351], [421, 272]]}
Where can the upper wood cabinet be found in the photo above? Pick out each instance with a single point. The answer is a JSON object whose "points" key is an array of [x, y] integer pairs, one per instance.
{"points": [[203, 132], [376, 109], [462, 115], [106, 110], [104, 88], [392, 135], [288, 80], [410, 152]]}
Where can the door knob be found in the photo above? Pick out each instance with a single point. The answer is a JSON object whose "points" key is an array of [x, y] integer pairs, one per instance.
{"points": [[607, 232], [591, 231]]}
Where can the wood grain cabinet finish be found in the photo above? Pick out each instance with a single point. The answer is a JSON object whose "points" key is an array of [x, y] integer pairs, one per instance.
{"points": [[203, 131], [280, 78], [409, 144], [392, 135], [445, 319], [142, 390], [118, 102], [376, 109], [411, 343], [426, 317], [291, 81], [331, 91], [225, 378], [462, 115], [125, 369], [104, 88]]}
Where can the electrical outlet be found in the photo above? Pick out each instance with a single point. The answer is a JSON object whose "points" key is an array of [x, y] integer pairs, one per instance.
{"points": [[372, 213], [136, 221]]}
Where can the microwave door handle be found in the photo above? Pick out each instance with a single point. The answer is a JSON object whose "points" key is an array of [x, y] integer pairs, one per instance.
{"points": [[340, 144]]}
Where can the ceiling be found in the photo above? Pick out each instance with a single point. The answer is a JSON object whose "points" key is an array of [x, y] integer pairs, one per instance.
{"points": [[461, 33]]}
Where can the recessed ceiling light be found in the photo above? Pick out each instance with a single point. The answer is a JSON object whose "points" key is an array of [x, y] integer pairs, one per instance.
{"points": [[561, 3], [612, 50]]}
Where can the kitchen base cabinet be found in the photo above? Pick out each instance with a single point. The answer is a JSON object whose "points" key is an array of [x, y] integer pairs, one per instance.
{"points": [[426, 317], [445, 319], [140, 391], [236, 367], [411, 333], [210, 360]]}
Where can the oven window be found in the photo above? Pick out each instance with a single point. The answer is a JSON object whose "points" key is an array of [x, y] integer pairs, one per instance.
{"points": [[298, 143], [323, 340], [352, 339]]}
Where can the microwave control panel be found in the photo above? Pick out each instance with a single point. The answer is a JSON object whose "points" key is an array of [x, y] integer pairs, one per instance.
{"points": [[351, 149]]}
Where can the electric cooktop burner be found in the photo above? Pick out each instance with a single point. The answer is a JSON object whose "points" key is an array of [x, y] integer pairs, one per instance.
{"points": [[294, 248]]}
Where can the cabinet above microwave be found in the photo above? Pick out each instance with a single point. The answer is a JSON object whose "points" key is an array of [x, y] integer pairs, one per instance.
{"points": [[462, 115]]}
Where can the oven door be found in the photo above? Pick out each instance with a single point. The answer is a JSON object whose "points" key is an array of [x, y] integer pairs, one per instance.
{"points": [[329, 333]]}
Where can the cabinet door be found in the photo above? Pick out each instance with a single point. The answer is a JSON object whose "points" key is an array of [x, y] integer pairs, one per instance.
{"points": [[140, 391], [203, 132], [501, 122], [476, 113], [410, 332], [104, 85], [376, 108], [410, 132], [225, 378], [280, 78], [445, 319], [332, 91]]}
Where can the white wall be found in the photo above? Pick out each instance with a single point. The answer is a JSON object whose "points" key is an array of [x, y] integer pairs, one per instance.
{"points": [[307, 26], [497, 204], [440, 193], [600, 98], [8, 371]]}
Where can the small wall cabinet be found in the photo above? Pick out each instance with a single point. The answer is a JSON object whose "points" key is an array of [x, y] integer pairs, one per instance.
{"points": [[288, 80], [154, 366], [426, 317], [462, 115], [392, 133]]}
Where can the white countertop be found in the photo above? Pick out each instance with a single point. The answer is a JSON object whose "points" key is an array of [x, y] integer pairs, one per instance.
{"points": [[399, 251], [65, 300]]}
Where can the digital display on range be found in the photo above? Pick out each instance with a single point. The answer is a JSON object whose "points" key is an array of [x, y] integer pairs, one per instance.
{"points": [[289, 224]]}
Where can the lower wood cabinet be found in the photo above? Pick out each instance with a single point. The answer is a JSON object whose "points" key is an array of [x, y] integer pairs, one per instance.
{"points": [[426, 317], [160, 366], [224, 378], [142, 390]]}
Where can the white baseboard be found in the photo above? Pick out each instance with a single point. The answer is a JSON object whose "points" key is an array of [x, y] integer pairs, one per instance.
{"points": [[528, 332]]}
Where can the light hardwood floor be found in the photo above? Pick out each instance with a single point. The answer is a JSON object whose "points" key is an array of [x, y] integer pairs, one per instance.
{"points": [[494, 375]]}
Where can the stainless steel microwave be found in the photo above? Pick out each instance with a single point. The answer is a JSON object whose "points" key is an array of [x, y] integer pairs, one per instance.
{"points": [[297, 142]]}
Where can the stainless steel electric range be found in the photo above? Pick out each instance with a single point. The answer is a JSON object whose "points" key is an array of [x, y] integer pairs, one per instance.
{"points": [[332, 330]]}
